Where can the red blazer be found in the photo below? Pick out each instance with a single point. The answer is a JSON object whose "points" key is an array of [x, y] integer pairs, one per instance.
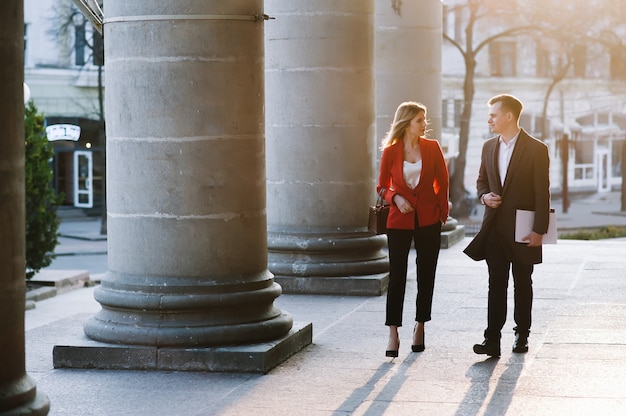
{"points": [[430, 196]]}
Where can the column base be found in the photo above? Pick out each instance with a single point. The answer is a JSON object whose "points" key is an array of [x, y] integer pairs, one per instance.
{"points": [[252, 358], [37, 404], [372, 285], [451, 237], [329, 262]]}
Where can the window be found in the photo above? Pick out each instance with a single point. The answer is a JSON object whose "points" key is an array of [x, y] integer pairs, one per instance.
{"points": [[502, 58], [451, 118], [79, 44], [584, 152], [543, 62], [444, 15], [616, 158], [458, 108], [619, 11], [526, 122], [25, 43], [458, 24], [580, 61], [618, 63], [98, 48]]}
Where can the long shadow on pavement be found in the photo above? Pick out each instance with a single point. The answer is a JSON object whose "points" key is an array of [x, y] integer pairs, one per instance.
{"points": [[392, 387], [503, 394], [478, 393], [480, 373]]}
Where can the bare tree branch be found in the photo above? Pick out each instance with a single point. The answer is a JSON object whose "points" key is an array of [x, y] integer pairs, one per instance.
{"points": [[509, 32], [454, 43], [396, 5]]}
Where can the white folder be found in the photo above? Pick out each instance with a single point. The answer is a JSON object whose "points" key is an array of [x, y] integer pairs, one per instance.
{"points": [[524, 225]]}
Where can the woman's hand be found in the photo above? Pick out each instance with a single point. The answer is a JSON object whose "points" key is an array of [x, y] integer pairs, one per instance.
{"points": [[402, 204]]}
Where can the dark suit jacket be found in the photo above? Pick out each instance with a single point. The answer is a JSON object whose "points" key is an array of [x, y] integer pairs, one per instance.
{"points": [[430, 196], [527, 186]]}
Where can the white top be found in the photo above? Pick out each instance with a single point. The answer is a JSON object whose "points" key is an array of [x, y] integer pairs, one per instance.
{"points": [[504, 156], [412, 173]]}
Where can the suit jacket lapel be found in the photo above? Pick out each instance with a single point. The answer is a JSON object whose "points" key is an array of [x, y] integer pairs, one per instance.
{"points": [[496, 165], [516, 158]]}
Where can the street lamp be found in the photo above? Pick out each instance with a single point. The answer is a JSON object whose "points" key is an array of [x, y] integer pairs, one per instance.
{"points": [[26, 94], [92, 11], [78, 19]]}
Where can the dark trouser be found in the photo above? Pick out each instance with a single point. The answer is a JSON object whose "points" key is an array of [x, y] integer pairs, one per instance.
{"points": [[498, 265], [427, 243]]}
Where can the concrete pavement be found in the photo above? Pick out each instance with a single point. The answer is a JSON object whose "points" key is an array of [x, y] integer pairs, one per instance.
{"points": [[576, 364]]}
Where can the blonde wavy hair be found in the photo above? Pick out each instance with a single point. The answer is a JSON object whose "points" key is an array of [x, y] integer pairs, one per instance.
{"points": [[404, 114]]}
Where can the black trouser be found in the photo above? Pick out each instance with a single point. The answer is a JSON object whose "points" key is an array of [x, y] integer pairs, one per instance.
{"points": [[427, 243], [499, 264]]}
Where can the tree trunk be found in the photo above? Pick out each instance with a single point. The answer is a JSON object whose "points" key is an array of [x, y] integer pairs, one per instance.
{"points": [[544, 111], [457, 180], [555, 80], [623, 207]]}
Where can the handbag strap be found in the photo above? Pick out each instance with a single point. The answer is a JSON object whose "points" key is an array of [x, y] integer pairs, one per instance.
{"points": [[380, 201]]}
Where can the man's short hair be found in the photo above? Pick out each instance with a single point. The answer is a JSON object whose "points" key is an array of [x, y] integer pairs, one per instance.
{"points": [[509, 102]]}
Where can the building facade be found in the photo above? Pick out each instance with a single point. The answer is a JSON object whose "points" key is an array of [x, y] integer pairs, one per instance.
{"points": [[588, 103], [66, 81]]}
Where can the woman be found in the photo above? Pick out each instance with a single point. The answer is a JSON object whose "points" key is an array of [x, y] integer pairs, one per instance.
{"points": [[414, 177]]}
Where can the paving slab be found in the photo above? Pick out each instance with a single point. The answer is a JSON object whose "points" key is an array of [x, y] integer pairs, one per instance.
{"points": [[575, 366]]}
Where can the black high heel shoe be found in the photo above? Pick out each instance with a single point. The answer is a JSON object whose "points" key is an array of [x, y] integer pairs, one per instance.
{"points": [[418, 347], [393, 353]]}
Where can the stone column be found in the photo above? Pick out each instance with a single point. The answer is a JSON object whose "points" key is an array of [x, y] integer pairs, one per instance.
{"points": [[18, 392], [408, 60], [187, 238], [320, 147], [408, 68]]}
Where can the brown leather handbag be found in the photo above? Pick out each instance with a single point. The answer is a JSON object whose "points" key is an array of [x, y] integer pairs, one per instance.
{"points": [[378, 215]]}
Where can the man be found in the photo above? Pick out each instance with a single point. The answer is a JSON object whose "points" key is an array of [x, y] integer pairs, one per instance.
{"points": [[514, 174]]}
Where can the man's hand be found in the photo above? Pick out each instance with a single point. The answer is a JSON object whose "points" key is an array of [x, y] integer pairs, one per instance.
{"points": [[492, 200], [534, 239]]}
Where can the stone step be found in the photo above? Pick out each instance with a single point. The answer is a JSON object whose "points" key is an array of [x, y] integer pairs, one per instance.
{"points": [[68, 212], [54, 282]]}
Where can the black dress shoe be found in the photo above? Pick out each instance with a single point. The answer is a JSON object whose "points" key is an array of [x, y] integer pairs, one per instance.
{"points": [[521, 343], [489, 348]]}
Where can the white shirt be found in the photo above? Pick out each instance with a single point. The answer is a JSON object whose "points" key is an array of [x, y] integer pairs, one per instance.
{"points": [[412, 172], [504, 156]]}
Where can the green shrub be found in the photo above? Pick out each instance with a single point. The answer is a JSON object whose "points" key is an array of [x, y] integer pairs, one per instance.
{"points": [[42, 223], [610, 231]]}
